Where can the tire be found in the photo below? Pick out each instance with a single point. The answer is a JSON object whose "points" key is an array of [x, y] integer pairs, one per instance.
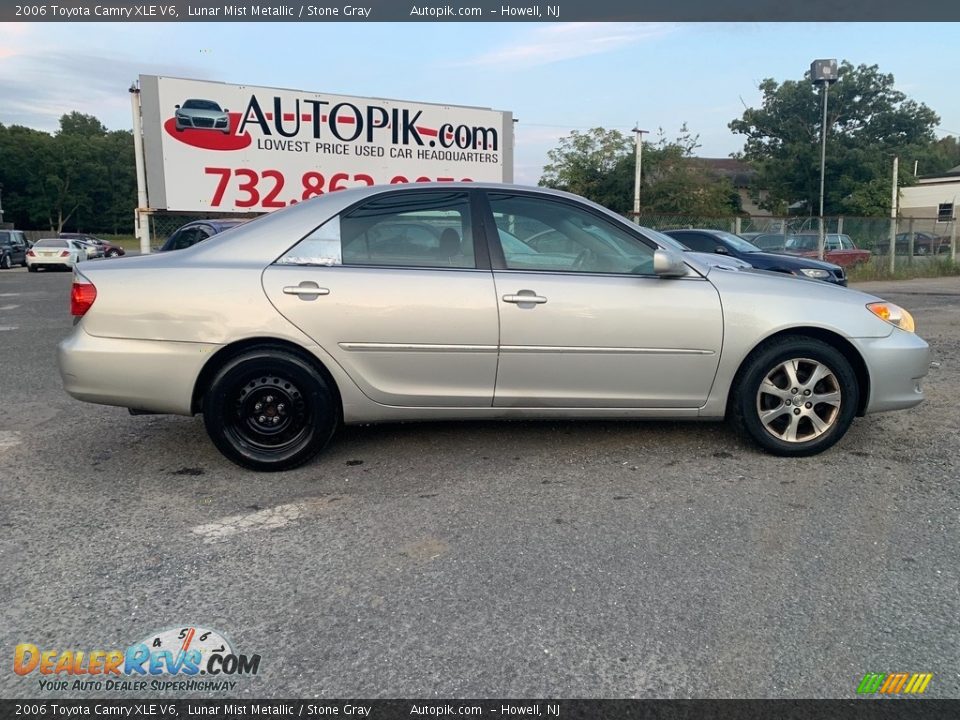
{"points": [[31, 268], [112, 253], [269, 409], [797, 430], [6, 263]]}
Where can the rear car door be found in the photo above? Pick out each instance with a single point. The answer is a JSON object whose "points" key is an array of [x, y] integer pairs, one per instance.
{"points": [[585, 322], [404, 298]]}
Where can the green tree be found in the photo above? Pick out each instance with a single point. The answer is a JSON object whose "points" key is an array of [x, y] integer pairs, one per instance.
{"points": [[599, 164], [868, 122]]}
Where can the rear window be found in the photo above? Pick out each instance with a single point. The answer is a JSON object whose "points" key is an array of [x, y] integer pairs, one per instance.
{"points": [[51, 243]]}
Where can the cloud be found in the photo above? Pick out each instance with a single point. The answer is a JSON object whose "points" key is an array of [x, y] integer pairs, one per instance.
{"points": [[38, 86], [555, 43]]}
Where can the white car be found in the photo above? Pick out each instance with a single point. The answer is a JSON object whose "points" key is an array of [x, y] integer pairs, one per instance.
{"points": [[55, 253]]}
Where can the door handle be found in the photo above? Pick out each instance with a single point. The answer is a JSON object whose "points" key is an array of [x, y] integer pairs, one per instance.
{"points": [[525, 296], [306, 290]]}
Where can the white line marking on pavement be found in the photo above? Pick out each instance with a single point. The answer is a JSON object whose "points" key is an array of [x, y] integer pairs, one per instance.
{"points": [[269, 519], [9, 307], [8, 327], [9, 294], [8, 439]]}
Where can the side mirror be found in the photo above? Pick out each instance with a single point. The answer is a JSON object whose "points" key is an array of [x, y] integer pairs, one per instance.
{"points": [[721, 250], [176, 107], [226, 110], [667, 263]]}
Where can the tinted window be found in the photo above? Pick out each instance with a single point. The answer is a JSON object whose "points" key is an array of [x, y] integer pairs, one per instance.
{"points": [[201, 105], [698, 242], [409, 229], [4, 236], [540, 234], [51, 243]]}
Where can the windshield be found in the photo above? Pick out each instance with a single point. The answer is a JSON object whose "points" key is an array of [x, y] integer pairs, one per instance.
{"points": [[201, 105], [51, 243], [665, 239], [738, 242]]}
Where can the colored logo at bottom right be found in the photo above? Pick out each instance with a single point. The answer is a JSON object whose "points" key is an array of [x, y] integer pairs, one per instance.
{"points": [[894, 683]]}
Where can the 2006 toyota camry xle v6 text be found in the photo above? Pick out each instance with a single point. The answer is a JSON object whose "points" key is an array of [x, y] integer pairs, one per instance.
{"points": [[473, 301]]}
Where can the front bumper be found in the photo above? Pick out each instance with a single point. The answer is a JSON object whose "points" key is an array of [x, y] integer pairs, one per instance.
{"points": [[150, 375], [897, 364]]}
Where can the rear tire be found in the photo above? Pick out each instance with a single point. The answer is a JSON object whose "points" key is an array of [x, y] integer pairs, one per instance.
{"points": [[31, 268], [269, 409], [6, 263], [795, 396]]}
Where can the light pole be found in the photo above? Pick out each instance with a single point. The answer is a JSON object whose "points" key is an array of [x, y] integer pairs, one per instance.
{"points": [[824, 74], [636, 173]]}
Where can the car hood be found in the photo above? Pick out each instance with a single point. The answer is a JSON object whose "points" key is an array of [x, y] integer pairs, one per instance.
{"points": [[786, 261]]}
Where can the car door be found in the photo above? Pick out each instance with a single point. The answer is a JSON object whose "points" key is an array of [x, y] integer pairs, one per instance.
{"points": [[594, 326], [404, 298]]}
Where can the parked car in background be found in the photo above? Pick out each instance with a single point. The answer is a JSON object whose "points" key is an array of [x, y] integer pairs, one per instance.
{"points": [[59, 253], [282, 329], [198, 231], [13, 248], [837, 248], [728, 244], [198, 114], [924, 243], [108, 248], [92, 249]]}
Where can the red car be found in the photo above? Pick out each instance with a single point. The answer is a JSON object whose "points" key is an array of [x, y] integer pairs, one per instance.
{"points": [[109, 249], [837, 249]]}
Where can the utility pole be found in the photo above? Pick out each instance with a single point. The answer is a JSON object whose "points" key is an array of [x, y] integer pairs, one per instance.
{"points": [[894, 201], [636, 174], [141, 214], [824, 74]]}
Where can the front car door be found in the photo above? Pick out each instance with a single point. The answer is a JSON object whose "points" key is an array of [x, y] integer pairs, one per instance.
{"points": [[584, 321], [404, 298]]}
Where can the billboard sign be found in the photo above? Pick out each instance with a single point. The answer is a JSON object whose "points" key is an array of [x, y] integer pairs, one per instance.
{"points": [[213, 147]]}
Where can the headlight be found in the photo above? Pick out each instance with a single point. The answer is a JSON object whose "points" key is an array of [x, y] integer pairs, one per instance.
{"points": [[893, 314], [815, 273]]}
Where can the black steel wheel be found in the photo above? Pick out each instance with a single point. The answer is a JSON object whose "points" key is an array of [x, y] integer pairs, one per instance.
{"points": [[269, 409]]}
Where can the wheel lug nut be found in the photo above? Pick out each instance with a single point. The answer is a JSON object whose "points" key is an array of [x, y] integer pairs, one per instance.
{"points": [[797, 411], [281, 407], [258, 407], [809, 405], [806, 392], [263, 418], [276, 420], [269, 398], [795, 391]]}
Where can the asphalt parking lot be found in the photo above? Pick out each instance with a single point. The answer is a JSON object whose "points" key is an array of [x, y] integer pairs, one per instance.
{"points": [[520, 559]]}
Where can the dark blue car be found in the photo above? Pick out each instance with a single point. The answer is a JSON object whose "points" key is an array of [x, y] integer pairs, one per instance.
{"points": [[724, 243]]}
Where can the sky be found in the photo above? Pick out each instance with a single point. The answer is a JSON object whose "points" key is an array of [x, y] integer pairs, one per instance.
{"points": [[555, 78]]}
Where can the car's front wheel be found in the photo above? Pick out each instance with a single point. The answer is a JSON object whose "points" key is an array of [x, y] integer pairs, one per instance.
{"points": [[269, 409], [6, 263], [796, 396]]}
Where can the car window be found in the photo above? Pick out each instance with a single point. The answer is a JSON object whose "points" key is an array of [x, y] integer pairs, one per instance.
{"points": [[564, 237], [698, 242], [49, 242], [417, 229], [4, 236]]}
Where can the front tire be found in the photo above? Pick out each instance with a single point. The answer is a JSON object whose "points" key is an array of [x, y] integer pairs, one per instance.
{"points": [[269, 409], [796, 396], [6, 263]]}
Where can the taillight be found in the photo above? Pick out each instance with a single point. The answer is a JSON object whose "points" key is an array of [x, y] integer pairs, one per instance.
{"points": [[64, 253], [82, 295], [31, 253]]}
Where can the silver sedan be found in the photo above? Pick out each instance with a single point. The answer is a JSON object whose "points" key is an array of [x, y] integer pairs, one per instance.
{"points": [[474, 301]]}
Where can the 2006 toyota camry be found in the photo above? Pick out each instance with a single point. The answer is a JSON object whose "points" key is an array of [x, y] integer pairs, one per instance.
{"points": [[461, 301]]}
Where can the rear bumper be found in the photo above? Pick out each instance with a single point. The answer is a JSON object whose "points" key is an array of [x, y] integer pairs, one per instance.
{"points": [[150, 375], [897, 364]]}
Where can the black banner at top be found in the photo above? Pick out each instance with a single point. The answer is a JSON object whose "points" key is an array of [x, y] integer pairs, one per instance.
{"points": [[479, 11], [509, 709]]}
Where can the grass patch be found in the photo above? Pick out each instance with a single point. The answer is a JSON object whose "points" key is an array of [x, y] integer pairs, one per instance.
{"points": [[921, 267]]}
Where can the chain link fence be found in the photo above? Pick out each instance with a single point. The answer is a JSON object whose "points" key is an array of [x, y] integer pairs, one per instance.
{"points": [[915, 237], [164, 224]]}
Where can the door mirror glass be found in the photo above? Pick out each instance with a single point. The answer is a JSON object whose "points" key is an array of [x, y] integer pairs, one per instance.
{"points": [[721, 250]]}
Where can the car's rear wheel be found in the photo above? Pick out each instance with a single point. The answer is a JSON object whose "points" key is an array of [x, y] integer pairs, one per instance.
{"points": [[6, 263], [269, 409], [112, 253], [796, 396], [31, 268]]}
